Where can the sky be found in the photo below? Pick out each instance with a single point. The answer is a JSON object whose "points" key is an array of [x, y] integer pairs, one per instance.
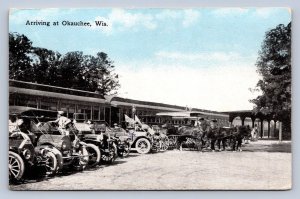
{"points": [[203, 58]]}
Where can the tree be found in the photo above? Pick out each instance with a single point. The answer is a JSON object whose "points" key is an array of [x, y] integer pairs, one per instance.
{"points": [[72, 70], [20, 49], [69, 71], [98, 73], [274, 66], [45, 65]]}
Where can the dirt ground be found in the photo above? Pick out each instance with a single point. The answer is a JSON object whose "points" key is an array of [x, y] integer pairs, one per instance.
{"points": [[261, 165]]}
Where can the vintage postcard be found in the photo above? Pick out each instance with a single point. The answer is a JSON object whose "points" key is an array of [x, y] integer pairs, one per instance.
{"points": [[150, 99]]}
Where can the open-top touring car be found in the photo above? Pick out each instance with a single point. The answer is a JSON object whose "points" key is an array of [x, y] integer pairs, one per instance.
{"points": [[100, 134], [68, 149], [24, 154]]}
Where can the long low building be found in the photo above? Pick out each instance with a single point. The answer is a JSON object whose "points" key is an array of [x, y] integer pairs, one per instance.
{"points": [[97, 107]]}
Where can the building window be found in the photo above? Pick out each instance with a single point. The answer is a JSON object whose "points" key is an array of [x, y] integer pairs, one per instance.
{"points": [[96, 113], [68, 108], [85, 109], [102, 113], [49, 104]]}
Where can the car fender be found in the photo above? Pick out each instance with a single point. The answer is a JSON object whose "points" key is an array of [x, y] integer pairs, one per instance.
{"points": [[54, 150]]}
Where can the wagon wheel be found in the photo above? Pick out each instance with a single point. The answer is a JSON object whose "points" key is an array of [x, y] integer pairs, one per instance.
{"points": [[198, 145], [143, 145], [16, 166], [51, 165], [172, 142], [94, 155]]}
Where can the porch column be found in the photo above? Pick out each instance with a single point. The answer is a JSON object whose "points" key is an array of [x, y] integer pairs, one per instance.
{"points": [[274, 126], [261, 128], [269, 128], [280, 131], [243, 121]]}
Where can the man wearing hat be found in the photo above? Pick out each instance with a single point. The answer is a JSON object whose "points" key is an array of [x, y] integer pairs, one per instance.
{"points": [[213, 133], [203, 126], [63, 122]]}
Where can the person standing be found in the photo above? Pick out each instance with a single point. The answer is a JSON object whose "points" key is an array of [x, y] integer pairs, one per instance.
{"points": [[254, 133], [213, 133], [203, 126], [64, 123]]}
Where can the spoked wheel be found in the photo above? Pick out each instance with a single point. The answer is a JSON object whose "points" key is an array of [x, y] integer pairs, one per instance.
{"points": [[16, 166], [51, 165], [112, 153], [94, 155], [155, 145], [198, 145], [82, 161], [143, 146], [172, 142]]}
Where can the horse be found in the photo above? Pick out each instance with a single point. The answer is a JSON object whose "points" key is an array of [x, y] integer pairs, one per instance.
{"points": [[238, 136], [170, 129]]}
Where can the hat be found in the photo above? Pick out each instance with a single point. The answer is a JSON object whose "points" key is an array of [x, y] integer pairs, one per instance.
{"points": [[115, 124], [60, 112], [214, 120]]}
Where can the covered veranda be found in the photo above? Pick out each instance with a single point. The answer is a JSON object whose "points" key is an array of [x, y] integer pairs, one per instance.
{"points": [[258, 118]]}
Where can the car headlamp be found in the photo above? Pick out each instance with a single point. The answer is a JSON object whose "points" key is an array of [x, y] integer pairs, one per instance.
{"points": [[64, 146], [76, 144], [27, 154]]}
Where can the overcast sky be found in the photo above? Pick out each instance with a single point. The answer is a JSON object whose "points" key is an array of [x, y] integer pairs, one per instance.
{"points": [[202, 58]]}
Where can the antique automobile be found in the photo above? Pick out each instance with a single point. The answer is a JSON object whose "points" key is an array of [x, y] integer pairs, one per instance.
{"points": [[24, 155], [118, 136], [68, 149], [75, 153], [146, 139], [141, 140], [122, 140], [93, 134]]}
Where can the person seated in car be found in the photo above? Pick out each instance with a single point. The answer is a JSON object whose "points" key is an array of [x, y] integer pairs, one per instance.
{"points": [[23, 125]]}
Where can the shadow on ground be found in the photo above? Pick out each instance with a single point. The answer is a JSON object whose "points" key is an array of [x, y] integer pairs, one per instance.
{"points": [[284, 147]]}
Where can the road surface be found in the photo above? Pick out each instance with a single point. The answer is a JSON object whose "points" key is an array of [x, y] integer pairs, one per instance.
{"points": [[261, 165]]}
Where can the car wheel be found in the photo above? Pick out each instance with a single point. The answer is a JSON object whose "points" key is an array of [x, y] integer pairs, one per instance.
{"points": [[113, 152], [165, 144], [94, 155], [143, 145], [51, 164], [16, 166], [82, 161]]}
